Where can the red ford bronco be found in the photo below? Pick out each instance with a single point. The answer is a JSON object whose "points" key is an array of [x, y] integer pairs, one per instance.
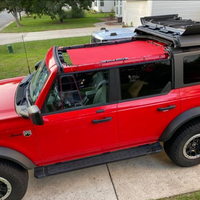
{"points": [[116, 100]]}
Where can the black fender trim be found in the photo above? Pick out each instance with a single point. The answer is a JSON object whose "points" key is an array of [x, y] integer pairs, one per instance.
{"points": [[178, 122], [17, 157]]}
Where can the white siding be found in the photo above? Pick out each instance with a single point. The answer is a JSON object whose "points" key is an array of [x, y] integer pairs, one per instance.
{"points": [[185, 9], [95, 7], [108, 5], [133, 10]]}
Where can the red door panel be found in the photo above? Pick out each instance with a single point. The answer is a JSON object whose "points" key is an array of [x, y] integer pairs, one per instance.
{"points": [[190, 97], [71, 135], [140, 121]]}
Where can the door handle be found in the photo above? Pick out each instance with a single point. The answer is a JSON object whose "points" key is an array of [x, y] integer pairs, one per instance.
{"points": [[167, 108], [100, 111], [95, 121]]}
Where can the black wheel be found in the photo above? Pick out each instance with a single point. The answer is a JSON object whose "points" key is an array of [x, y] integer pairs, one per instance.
{"points": [[184, 147], [13, 181]]}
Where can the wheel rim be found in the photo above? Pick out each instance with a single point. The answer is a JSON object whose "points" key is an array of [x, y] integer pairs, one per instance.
{"points": [[5, 189], [191, 149]]}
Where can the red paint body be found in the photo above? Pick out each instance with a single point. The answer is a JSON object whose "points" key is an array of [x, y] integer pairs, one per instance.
{"points": [[71, 135]]}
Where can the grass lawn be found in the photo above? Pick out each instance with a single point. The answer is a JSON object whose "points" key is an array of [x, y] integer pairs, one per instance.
{"points": [[45, 23], [190, 196], [15, 64]]}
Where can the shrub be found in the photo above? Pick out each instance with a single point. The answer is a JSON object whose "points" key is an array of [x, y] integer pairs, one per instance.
{"points": [[112, 15], [78, 13], [126, 25], [93, 11], [131, 24], [68, 14], [112, 10]]}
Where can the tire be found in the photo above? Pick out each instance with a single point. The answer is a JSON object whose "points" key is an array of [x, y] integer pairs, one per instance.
{"points": [[13, 181], [184, 146]]}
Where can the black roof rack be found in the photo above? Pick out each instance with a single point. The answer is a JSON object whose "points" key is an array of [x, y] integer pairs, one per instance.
{"points": [[113, 34], [182, 32], [103, 29]]}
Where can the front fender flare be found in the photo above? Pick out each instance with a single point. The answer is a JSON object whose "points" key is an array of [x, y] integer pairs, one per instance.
{"points": [[178, 122], [17, 157]]}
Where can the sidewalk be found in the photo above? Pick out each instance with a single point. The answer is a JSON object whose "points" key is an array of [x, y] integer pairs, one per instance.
{"points": [[9, 38]]}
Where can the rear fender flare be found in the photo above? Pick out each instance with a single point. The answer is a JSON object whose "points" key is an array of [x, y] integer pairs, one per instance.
{"points": [[178, 122], [16, 157]]}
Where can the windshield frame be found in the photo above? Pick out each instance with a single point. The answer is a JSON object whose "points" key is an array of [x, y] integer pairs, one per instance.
{"points": [[38, 81]]}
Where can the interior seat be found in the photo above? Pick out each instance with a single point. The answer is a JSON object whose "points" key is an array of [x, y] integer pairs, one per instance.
{"points": [[101, 95]]}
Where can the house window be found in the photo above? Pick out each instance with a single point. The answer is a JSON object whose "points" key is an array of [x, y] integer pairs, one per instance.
{"points": [[101, 3], [95, 3], [114, 2]]}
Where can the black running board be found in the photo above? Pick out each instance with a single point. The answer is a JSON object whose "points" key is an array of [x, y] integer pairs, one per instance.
{"points": [[44, 171]]}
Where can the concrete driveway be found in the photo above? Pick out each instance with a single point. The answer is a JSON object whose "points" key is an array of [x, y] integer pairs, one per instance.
{"points": [[147, 177]]}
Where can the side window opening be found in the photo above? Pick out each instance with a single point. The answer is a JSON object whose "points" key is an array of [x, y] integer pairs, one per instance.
{"points": [[145, 79], [191, 69], [78, 90]]}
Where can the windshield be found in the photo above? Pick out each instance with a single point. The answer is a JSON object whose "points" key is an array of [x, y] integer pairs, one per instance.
{"points": [[38, 81]]}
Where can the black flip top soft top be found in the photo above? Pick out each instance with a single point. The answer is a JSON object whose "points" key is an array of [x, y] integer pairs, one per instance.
{"points": [[181, 32]]}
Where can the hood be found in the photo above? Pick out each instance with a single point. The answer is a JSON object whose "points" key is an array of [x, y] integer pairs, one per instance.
{"points": [[7, 97]]}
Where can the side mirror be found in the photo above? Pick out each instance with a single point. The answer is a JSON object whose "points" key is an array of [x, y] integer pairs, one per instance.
{"points": [[34, 115], [37, 64]]}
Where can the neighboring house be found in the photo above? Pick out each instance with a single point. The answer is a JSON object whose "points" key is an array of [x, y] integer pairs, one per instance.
{"points": [[118, 8], [107, 6], [103, 5], [133, 10]]}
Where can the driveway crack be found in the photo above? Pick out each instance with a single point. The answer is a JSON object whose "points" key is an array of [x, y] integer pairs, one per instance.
{"points": [[112, 182]]}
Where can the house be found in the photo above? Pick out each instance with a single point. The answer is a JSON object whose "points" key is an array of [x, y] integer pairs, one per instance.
{"points": [[133, 10], [103, 5], [108, 6]]}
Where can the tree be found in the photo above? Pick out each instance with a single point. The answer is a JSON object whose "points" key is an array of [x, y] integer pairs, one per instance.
{"points": [[30, 6], [34, 6], [54, 8], [79, 5], [12, 7]]}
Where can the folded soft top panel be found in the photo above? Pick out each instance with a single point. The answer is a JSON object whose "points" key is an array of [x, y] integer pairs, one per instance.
{"points": [[136, 49]]}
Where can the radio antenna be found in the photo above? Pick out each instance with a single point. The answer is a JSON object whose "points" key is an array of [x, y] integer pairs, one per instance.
{"points": [[26, 55]]}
